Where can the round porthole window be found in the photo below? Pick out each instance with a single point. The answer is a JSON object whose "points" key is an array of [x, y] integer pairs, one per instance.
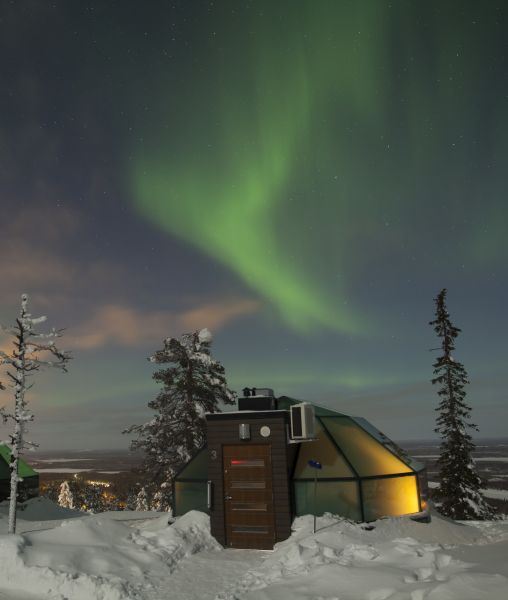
{"points": [[265, 431]]}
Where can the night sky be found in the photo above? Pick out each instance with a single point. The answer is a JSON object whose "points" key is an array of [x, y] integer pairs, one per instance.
{"points": [[301, 177]]}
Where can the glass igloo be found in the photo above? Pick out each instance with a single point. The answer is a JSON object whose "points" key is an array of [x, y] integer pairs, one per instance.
{"points": [[364, 475]]}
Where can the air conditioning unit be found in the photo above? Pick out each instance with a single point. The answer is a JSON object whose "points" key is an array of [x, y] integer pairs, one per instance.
{"points": [[302, 421]]}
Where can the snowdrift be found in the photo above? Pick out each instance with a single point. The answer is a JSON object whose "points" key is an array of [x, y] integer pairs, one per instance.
{"points": [[396, 559], [36, 509], [99, 557], [95, 557]]}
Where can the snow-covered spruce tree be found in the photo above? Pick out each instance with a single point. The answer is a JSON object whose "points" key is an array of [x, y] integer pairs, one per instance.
{"points": [[158, 503], [131, 499], [142, 500], [458, 495], [194, 385], [65, 496], [25, 359]]}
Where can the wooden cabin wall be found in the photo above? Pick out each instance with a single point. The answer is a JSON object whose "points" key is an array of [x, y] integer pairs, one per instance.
{"points": [[223, 431], [28, 488]]}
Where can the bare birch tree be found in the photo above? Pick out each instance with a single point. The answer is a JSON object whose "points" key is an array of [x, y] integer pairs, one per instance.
{"points": [[25, 359]]}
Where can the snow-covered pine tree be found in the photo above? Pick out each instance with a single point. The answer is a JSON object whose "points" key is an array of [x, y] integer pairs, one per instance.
{"points": [[458, 495], [194, 385], [158, 501], [24, 360], [65, 497], [131, 500], [142, 500]]}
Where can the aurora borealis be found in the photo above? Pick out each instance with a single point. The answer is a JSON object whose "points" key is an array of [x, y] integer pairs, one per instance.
{"points": [[301, 177], [254, 140], [302, 124]]}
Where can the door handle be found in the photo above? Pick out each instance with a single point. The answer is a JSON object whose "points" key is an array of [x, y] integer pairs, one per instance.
{"points": [[209, 494], [228, 497]]}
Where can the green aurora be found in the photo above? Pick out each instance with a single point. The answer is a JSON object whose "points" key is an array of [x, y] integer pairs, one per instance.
{"points": [[289, 162]]}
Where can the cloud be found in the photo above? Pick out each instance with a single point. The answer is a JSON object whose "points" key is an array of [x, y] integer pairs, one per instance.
{"points": [[217, 315], [30, 247], [36, 258], [116, 324], [24, 266], [48, 221]]}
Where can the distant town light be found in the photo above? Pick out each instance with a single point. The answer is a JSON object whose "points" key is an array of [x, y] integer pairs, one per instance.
{"points": [[101, 483]]}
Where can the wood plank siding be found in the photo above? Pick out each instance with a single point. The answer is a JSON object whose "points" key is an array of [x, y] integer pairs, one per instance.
{"points": [[223, 430]]}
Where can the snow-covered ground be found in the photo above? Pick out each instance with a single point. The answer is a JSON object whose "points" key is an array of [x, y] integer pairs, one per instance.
{"points": [[476, 459], [65, 555], [487, 492]]}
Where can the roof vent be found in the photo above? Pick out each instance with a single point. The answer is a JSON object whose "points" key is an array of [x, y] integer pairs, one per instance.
{"points": [[247, 392], [257, 399]]}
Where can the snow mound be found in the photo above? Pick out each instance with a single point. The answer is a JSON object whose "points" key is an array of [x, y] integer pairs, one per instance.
{"points": [[17, 575], [440, 530], [397, 559], [36, 513], [40, 509], [99, 558], [188, 535]]}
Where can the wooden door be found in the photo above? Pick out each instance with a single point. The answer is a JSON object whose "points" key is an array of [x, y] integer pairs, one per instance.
{"points": [[248, 496]]}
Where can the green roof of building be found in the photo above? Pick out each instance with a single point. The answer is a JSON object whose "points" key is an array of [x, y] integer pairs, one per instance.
{"points": [[24, 470], [284, 402]]}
